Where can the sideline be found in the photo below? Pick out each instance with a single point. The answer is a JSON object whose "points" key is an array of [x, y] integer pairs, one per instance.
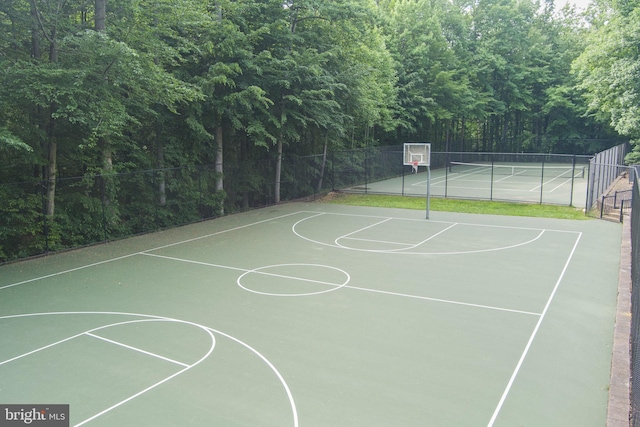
{"points": [[618, 408]]}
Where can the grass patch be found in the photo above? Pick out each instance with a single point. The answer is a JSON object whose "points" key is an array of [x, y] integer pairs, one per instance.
{"points": [[455, 205]]}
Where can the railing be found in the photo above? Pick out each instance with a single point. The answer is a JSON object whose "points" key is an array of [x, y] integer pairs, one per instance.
{"points": [[618, 204]]}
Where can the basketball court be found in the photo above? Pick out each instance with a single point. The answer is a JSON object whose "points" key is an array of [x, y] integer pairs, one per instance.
{"points": [[315, 315]]}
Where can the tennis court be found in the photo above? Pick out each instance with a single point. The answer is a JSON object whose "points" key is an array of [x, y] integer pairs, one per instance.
{"points": [[318, 315], [561, 184]]}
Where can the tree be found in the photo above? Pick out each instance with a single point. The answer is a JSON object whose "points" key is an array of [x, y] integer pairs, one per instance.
{"points": [[293, 61], [609, 69]]}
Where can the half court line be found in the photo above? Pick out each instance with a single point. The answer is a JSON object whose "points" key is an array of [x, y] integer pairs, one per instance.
{"points": [[322, 282], [244, 270]]}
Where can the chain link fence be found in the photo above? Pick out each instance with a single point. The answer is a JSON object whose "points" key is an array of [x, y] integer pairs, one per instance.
{"points": [[535, 178], [98, 208], [604, 168], [635, 301]]}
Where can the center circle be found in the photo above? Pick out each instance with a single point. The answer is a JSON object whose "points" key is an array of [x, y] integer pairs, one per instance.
{"points": [[289, 280]]}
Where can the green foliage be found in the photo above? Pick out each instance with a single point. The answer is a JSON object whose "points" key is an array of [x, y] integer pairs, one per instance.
{"points": [[21, 222], [10, 141], [246, 85], [609, 73]]}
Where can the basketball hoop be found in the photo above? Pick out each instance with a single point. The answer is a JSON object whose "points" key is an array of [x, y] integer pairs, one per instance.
{"points": [[416, 154]]}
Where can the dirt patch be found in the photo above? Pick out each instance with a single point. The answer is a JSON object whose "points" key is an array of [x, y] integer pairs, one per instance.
{"points": [[329, 197]]}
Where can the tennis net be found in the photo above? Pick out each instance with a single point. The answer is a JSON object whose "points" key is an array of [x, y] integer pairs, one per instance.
{"points": [[563, 171]]}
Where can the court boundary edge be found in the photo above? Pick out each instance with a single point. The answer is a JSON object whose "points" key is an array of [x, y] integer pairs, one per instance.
{"points": [[619, 404]]}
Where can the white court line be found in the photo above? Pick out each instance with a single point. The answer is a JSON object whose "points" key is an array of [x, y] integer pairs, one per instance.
{"points": [[147, 250], [443, 301], [136, 349], [358, 288], [451, 176], [148, 317], [164, 380], [566, 180], [345, 236], [432, 237], [560, 186], [408, 245], [89, 332], [532, 337], [67, 271], [245, 270], [273, 368], [40, 348], [422, 220], [240, 227], [403, 251], [379, 241]]}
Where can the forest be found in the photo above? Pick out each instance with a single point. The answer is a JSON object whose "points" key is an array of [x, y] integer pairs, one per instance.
{"points": [[123, 116]]}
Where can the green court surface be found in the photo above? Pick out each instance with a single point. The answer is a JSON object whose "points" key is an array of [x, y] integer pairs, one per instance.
{"points": [[317, 315]]}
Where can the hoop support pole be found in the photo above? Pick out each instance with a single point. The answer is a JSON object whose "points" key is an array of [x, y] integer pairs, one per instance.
{"points": [[428, 189]]}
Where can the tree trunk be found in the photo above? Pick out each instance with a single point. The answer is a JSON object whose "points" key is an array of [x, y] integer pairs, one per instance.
{"points": [[105, 146], [101, 15], [162, 186], [505, 128], [50, 146], [324, 164], [278, 172], [35, 37], [219, 165], [51, 171], [243, 161], [219, 162], [462, 133]]}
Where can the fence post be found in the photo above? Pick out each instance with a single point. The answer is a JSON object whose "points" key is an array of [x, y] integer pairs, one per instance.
{"points": [[333, 168], [366, 156], [573, 178], [542, 182], [602, 207], [491, 186], [103, 186]]}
